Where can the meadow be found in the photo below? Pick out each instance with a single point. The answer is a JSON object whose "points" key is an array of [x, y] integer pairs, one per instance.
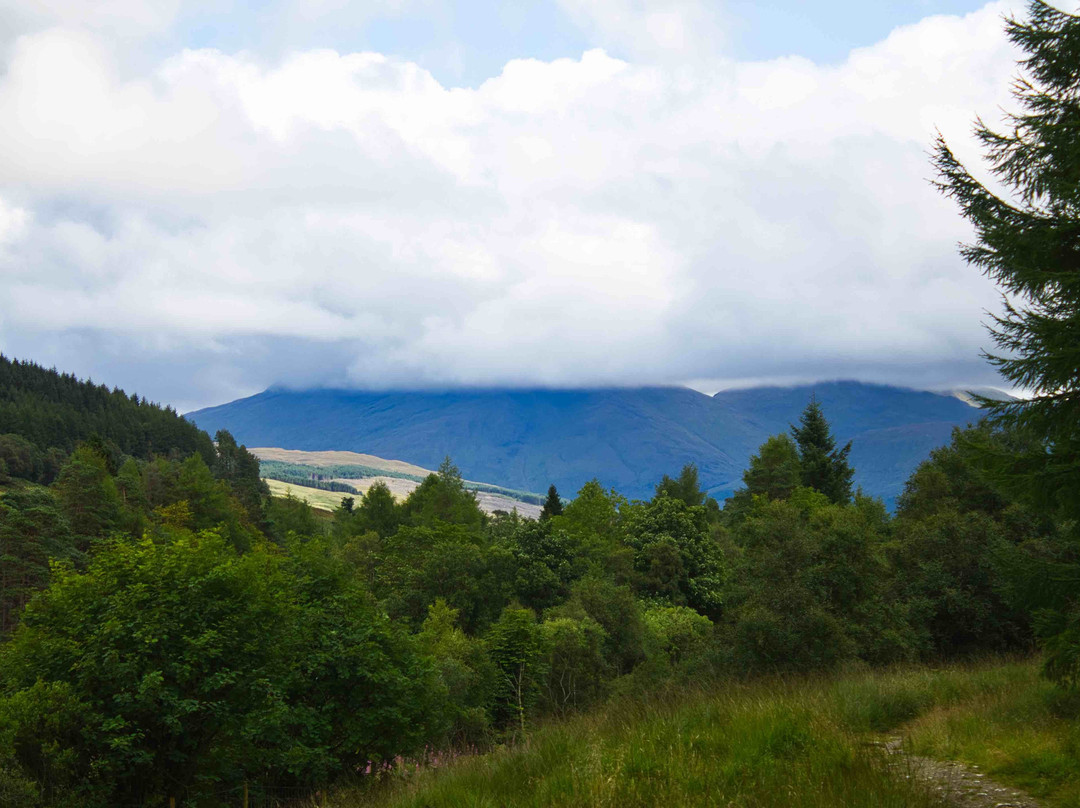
{"points": [[816, 741]]}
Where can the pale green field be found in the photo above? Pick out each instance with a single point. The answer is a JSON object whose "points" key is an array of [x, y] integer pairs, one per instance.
{"points": [[333, 458], [322, 500]]}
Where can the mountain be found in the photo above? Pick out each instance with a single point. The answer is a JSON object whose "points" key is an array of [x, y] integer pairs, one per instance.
{"points": [[626, 437]]}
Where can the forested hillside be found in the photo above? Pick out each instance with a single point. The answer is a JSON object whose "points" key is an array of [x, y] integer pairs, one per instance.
{"points": [[114, 464], [626, 438], [45, 414]]}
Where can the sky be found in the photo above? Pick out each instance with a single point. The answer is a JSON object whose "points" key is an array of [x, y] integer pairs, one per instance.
{"points": [[202, 199]]}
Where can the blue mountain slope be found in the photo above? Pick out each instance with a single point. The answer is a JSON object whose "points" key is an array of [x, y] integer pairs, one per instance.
{"points": [[628, 438]]}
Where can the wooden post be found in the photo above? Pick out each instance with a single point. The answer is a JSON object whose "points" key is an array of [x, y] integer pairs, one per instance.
{"points": [[172, 802], [245, 794]]}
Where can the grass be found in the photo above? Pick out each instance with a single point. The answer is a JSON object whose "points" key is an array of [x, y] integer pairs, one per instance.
{"points": [[315, 497], [741, 749], [771, 743], [1025, 735]]}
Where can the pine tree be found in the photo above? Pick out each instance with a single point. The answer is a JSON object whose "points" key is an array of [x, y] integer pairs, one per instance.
{"points": [[1027, 239], [824, 467], [552, 505]]}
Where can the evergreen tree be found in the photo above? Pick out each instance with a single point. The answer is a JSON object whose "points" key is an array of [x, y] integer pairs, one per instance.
{"points": [[1027, 239], [88, 497], [775, 470], [824, 467], [552, 505]]}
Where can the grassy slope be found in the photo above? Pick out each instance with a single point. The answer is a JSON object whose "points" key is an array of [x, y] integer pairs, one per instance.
{"points": [[351, 467], [315, 497], [770, 744], [329, 500], [330, 458]]}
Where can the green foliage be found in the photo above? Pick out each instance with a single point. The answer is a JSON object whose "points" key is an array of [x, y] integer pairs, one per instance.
{"points": [[676, 633], [32, 532], [775, 471], [809, 588], [157, 652], [676, 557], [52, 410], [290, 516], [593, 516], [615, 609], [169, 669], [378, 511], [419, 565], [966, 555], [548, 561], [378, 696], [824, 467], [552, 505], [465, 671], [516, 647], [685, 487], [443, 497], [1061, 643], [950, 567], [239, 469], [575, 670], [87, 496], [21, 459]]}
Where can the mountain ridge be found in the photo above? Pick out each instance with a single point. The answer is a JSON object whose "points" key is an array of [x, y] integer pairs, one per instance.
{"points": [[627, 437]]}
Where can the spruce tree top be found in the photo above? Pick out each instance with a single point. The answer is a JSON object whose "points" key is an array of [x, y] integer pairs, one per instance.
{"points": [[824, 467], [552, 505]]}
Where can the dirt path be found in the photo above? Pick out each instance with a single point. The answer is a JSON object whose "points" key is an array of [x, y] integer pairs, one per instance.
{"points": [[962, 785]]}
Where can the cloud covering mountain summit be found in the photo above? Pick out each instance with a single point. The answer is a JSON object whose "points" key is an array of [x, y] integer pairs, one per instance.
{"points": [[590, 220]]}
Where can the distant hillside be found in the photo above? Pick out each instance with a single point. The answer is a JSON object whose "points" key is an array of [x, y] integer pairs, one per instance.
{"points": [[628, 438], [361, 471], [324, 459], [51, 410]]}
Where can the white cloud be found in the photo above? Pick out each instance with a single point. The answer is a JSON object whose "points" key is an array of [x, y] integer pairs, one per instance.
{"points": [[584, 220], [652, 29], [114, 17]]}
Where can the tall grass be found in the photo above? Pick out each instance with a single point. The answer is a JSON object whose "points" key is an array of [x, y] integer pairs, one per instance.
{"points": [[771, 743], [1025, 734], [783, 742]]}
